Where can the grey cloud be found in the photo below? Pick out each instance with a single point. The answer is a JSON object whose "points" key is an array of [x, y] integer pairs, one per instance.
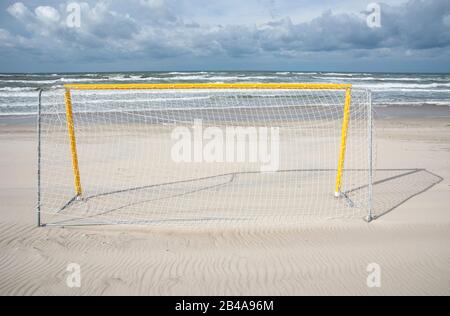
{"points": [[418, 24], [152, 30]]}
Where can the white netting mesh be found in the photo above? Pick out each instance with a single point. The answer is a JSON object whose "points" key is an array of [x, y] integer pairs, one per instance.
{"points": [[128, 174]]}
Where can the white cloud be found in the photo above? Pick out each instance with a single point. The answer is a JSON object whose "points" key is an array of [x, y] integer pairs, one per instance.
{"points": [[47, 14], [153, 4], [19, 11], [143, 29]]}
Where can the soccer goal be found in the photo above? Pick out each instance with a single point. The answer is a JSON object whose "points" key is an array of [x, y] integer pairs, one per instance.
{"points": [[203, 153]]}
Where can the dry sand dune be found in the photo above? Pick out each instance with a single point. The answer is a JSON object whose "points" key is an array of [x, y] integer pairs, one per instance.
{"points": [[410, 243]]}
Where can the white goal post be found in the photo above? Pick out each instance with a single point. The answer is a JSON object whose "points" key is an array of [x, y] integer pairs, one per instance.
{"points": [[203, 153]]}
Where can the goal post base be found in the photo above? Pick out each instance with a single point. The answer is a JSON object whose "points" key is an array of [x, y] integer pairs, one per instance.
{"points": [[70, 202]]}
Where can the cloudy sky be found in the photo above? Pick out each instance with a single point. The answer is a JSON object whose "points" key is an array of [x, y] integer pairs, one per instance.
{"points": [[138, 35]]}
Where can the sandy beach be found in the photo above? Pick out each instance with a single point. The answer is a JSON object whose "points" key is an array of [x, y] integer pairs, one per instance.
{"points": [[410, 242], [208, 150]]}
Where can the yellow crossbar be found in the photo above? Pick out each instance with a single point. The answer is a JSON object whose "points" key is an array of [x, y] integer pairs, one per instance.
{"points": [[156, 86]]}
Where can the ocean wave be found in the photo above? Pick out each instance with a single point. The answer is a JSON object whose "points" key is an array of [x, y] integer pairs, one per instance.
{"points": [[219, 78], [86, 80], [29, 113], [17, 95], [305, 73], [188, 72], [412, 103], [385, 79], [408, 86], [15, 89], [18, 91], [65, 80], [344, 74], [29, 82], [23, 75]]}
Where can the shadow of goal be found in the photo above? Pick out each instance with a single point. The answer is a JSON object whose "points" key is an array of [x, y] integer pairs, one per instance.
{"points": [[392, 188], [224, 199]]}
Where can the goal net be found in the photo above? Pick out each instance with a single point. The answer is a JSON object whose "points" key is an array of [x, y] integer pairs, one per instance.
{"points": [[203, 153]]}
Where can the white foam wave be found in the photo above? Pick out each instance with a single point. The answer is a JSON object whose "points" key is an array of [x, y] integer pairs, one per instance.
{"points": [[34, 82], [406, 86], [187, 73], [343, 74], [17, 89], [18, 114], [371, 78], [413, 103]]}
